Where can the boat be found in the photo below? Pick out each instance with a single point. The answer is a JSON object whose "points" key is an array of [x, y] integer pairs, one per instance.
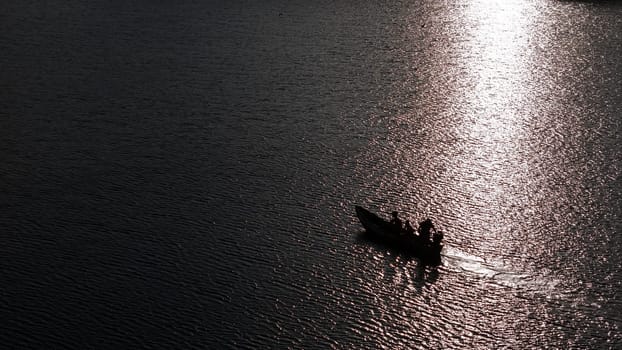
{"points": [[383, 231]]}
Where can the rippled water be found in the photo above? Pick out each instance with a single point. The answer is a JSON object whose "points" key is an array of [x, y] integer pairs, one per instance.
{"points": [[184, 176]]}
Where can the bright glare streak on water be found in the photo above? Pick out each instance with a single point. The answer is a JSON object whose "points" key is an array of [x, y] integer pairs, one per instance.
{"points": [[494, 108]]}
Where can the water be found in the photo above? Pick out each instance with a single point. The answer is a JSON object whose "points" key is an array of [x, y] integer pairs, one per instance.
{"points": [[184, 176]]}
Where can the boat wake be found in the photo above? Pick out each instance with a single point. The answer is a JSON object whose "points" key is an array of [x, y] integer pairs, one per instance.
{"points": [[542, 282]]}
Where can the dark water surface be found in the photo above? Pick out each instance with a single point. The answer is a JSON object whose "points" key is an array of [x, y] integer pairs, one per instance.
{"points": [[185, 175]]}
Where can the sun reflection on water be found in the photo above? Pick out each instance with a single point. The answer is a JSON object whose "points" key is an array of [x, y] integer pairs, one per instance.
{"points": [[476, 156], [494, 108], [498, 66]]}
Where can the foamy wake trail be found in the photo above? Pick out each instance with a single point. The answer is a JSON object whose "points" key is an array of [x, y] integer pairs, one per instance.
{"points": [[541, 281]]}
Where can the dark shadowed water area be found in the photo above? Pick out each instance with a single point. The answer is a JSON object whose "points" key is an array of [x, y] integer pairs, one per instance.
{"points": [[184, 175]]}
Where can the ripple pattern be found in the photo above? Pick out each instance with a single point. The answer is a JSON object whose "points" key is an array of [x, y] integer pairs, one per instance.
{"points": [[185, 176]]}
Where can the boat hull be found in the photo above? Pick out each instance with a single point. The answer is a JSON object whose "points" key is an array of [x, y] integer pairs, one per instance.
{"points": [[382, 231]]}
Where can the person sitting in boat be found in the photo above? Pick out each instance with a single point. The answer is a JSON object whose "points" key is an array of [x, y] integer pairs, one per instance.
{"points": [[396, 222], [437, 238], [424, 230], [410, 231]]}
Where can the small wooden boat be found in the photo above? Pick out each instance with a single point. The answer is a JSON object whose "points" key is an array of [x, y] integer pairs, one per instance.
{"points": [[383, 231]]}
